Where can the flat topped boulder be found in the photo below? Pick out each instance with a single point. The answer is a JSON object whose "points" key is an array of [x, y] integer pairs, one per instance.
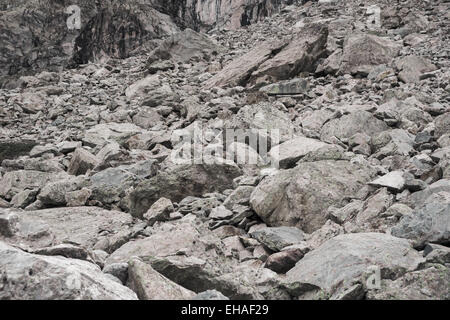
{"points": [[151, 285], [393, 181], [104, 133], [345, 258], [279, 237], [350, 124], [362, 52], [167, 240]]}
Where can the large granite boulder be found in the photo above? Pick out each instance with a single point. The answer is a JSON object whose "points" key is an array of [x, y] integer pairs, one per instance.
{"points": [[300, 196], [28, 276]]}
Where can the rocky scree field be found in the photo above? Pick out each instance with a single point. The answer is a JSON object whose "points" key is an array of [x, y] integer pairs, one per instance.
{"points": [[94, 205]]}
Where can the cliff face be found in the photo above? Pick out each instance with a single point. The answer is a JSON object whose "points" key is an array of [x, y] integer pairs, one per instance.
{"points": [[34, 34]]}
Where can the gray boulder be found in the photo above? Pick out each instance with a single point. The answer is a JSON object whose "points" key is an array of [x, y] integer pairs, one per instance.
{"points": [[181, 180], [84, 226], [428, 284], [304, 49], [411, 68], [428, 223], [362, 52], [289, 152], [150, 285], [289, 87], [15, 181], [238, 71], [351, 124], [300, 196]]}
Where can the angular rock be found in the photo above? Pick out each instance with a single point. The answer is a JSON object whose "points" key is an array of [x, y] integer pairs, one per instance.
{"points": [[436, 253], [81, 161], [8, 223], [362, 52], [238, 71], [15, 181], [150, 285], [221, 213], [302, 52], [11, 149], [427, 284], [54, 193], [65, 250], [428, 223], [279, 237], [290, 87], [413, 67], [104, 133], [351, 124], [394, 181], [36, 277], [182, 180], [442, 124], [84, 226], [184, 46], [345, 258], [282, 262], [159, 211], [289, 152]]}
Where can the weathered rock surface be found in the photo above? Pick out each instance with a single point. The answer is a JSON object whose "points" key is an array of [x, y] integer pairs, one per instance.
{"points": [[182, 180], [427, 284], [89, 227], [345, 258], [279, 237], [362, 52], [222, 143], [150, 285], [351, 124], [289, 152], [428, 223], [300, 196], [36, 277]]}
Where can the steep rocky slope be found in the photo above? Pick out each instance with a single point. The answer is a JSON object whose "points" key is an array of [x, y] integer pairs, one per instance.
{"points": [[96, 203]]}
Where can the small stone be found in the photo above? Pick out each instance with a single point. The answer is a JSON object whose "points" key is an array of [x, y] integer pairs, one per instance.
{"points": [[81, 161]]}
